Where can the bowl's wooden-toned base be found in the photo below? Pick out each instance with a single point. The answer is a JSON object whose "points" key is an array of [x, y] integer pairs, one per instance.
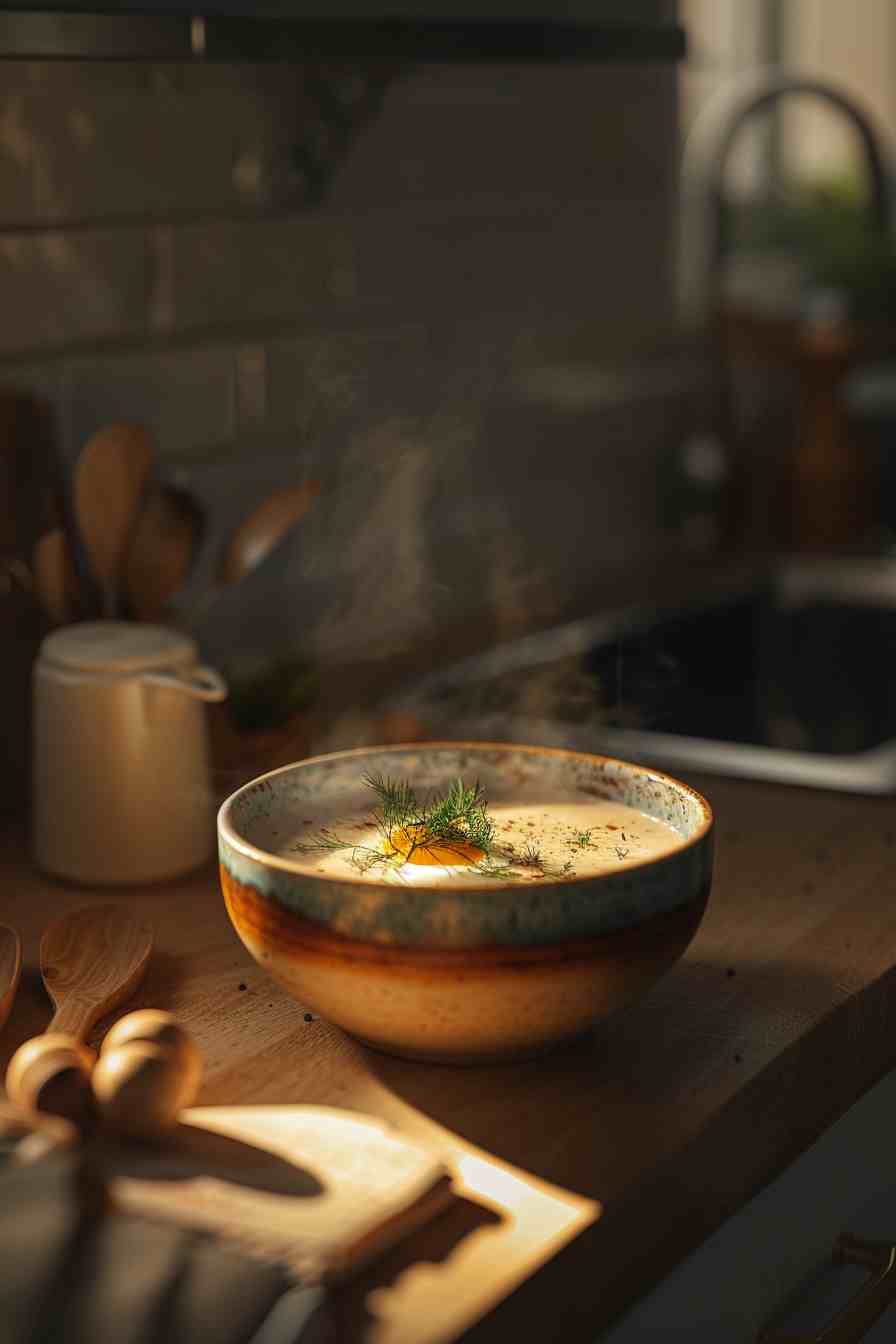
{"points": [[458, 1005]]}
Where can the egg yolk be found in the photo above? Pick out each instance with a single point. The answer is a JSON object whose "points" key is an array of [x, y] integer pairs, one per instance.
{"points": [[407, 842]]}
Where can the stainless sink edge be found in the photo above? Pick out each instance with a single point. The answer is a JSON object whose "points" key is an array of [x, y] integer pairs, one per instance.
{"points": [[871, 772]]}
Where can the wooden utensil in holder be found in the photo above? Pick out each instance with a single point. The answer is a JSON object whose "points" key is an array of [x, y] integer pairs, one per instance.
{"points": [[263, 529], [10, 969], [109, 482], [55, 580], [162, 550]]}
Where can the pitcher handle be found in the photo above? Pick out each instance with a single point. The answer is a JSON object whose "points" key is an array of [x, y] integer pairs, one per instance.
{"points": [[203, 683]]}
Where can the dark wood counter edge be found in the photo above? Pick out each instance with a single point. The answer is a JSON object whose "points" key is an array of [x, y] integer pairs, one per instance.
{"points": [[697, 1181]]}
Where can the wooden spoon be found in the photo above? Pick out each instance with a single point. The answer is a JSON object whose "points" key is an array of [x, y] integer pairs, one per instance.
{"points": [[10, 969], [55, 581], [163, 549], [258, 534], [91, 960], [109, 480]]}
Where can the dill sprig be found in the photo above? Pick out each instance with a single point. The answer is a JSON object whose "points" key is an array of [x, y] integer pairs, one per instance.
{"points": [[531, 856], [459, 816], [398, 802], [325, 839]]}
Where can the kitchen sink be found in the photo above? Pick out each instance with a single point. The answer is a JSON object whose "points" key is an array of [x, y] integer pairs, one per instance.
{"points": [[787, 675]]}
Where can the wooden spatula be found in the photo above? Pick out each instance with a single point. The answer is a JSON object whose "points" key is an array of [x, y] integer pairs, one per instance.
{"points": [[260, 532], [91, 961], [108, 487], [162, 549], [55, 580], [10, 969]]}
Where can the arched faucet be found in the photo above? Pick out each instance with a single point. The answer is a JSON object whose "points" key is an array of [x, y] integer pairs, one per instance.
{"points": [[704, 240]]}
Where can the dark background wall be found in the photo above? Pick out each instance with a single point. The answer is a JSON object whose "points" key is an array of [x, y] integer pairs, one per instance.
{"points": [[453, 343]]}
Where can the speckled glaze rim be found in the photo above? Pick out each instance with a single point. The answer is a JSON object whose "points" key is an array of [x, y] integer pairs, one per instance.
{"points": [[244, 847]]}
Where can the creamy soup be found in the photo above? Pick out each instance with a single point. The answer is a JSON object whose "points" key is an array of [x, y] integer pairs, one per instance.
{"points": [[533, 841]]}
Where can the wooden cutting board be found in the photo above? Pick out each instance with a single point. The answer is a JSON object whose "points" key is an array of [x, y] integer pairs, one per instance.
{"points": [[323, 1191]]}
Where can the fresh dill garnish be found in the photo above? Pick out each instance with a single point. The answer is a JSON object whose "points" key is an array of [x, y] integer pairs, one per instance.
{"points": [[325, 839], [398, 802], [458, 817], [447, 828], [456, 821]]}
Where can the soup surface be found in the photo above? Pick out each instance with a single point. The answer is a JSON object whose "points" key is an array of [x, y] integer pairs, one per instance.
{"points": [[532, 841]]}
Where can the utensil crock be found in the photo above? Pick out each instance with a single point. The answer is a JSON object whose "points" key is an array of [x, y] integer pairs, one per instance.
{"points": [[121, 779]]}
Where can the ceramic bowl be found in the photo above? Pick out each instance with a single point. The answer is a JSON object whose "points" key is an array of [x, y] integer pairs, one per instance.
{"points": [[490, 969]]}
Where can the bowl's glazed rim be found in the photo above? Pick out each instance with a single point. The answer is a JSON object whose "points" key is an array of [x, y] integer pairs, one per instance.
{"points": [[246, 848]]}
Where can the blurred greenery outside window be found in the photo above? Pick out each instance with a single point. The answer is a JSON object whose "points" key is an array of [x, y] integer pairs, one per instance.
{"points": [[796, 181]]}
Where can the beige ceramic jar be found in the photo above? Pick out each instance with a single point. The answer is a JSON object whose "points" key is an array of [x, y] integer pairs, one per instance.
{"points": [[121, 782]]}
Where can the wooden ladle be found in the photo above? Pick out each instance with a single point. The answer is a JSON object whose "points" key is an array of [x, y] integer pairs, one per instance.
{"points": [[91, 961], [265, 526], [10, 969]]}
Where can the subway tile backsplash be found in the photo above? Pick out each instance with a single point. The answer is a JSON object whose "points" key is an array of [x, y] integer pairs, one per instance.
{"points": [[64, 288], [132, 140], [231, 272], [187, 403], [489, 222]]}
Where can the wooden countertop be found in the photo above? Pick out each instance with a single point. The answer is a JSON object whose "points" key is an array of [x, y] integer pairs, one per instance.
{"points": [[607, 1161]]}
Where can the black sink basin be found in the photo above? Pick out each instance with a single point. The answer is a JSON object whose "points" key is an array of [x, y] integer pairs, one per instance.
{"points": [[787, 677], [814, 676]]}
